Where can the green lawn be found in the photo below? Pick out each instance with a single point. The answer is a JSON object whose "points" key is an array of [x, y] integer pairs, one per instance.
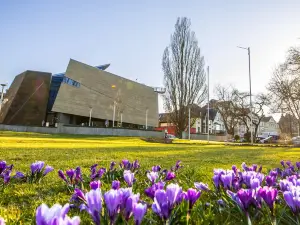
{"points": [[18, 201]]}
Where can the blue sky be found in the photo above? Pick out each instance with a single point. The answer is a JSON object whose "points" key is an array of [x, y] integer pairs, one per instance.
{"points": [[132, 35]]}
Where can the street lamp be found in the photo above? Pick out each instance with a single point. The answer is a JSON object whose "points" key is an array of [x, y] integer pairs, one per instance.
{"points": [[248, 49], [114, 111], [208, 104], [90, 119], [2, 92]]}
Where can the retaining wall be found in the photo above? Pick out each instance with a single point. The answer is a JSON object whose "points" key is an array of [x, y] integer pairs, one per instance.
{"points": [[83, 131]]}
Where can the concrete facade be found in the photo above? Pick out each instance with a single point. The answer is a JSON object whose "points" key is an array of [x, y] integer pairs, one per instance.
{"points": [[99, 92], [26, 99], [83, 131]]}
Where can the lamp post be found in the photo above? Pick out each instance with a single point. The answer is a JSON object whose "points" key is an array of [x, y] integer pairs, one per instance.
{"points": [[146, 118], [189, 122], [90, 119], [251, 119], [2, 92], [208, 104], [114, 110]]}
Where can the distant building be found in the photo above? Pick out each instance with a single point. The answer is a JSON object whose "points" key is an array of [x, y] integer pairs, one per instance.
{"points": [[268, 124], [70, 98], [198, 121]]}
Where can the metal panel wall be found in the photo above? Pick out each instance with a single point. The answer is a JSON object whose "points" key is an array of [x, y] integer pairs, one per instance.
{"points": [[99, 90]]}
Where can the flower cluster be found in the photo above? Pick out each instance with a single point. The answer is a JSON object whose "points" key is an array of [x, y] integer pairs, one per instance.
{"points": [[5, 172], [160, 195], [72, 177]]}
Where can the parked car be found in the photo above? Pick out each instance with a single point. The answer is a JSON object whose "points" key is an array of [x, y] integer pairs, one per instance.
{"points": [[296, 141], [267, 140], [171, 136]]}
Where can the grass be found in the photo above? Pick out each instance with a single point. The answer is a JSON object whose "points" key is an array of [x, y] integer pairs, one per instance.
{"points": [[19, 201]]}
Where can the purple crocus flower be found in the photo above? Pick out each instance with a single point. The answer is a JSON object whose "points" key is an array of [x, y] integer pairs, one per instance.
{"points": [[55, 215], [125, 194], [150, 192], [160, 205], [270, 181], [216, 177], [6, 176], [2, 166], [246, 197], [136, 165], [152, 176], [282, 163], [139, 211], [174, 194], [70, 173], [112, 165], [298, 165], [234, 168], [130, 202], [227, 179], [254, 183], [2, 222], [268, 194], [48, 169], [78, 195], [192, 196], [201, 186], [285, 185], [62, 175], [125, 164], [170, 175], [37, 166], [128, 177], [112, 200], [254, 167], [177, 165], [115, 185], [244, 166], [78, 174], [93, 204], [95, 184], [156, 168], [288, 163], [19, 175], [221, 202]]}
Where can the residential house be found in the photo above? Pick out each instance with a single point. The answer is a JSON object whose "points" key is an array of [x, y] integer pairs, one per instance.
{"points": [[268, 124], [198, 121]]}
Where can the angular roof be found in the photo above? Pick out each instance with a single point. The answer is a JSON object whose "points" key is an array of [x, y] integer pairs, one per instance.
{"points": [[266, 118], [101, 67]]}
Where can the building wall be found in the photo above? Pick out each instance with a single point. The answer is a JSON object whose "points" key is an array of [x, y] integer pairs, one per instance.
{"points": [[27, 99], [99, 90]]}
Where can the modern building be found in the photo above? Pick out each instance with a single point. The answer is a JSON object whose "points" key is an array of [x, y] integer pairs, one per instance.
{"points": [[83, 95], [25, 102]]}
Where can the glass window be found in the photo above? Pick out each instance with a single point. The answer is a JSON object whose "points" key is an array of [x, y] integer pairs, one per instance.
{"points": [[71, 82]]}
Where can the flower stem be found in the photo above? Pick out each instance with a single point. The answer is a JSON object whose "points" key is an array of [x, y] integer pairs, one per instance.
{"points": [[248, 219], [274, 222], [188, 216]]}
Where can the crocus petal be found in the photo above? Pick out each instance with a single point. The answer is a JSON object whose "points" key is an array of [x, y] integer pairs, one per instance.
{"points": [[139, 211]]}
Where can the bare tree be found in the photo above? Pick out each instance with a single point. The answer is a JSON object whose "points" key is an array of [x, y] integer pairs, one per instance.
{"points": [[184, 75], [225, 104], [284, 86], [234, 107]]}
